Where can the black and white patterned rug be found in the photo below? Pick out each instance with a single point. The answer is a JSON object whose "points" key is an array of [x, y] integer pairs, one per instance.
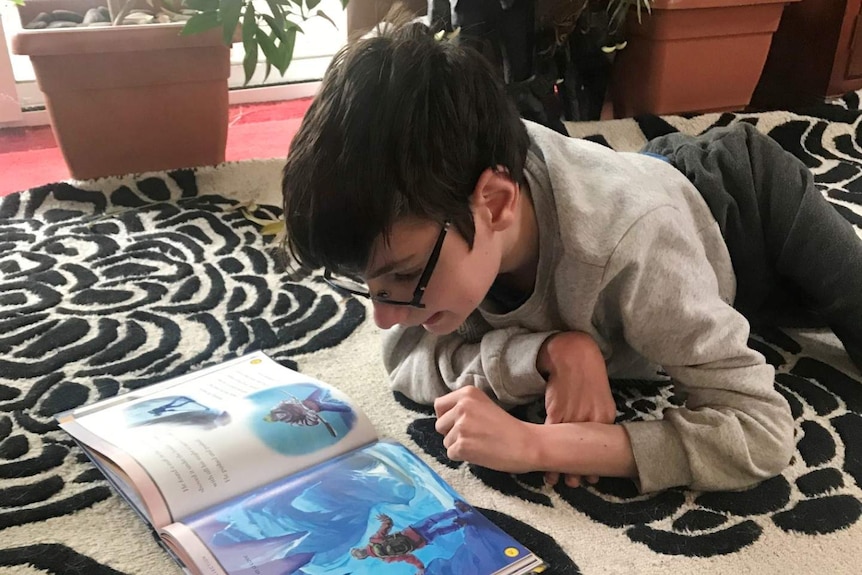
{"points": [[112, 285]]}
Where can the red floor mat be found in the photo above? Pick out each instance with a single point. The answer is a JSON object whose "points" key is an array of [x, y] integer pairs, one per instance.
{"points": [[29, 157]]}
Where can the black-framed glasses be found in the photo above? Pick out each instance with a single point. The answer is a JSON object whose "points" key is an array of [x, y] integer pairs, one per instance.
{"points": [[353, 287]]}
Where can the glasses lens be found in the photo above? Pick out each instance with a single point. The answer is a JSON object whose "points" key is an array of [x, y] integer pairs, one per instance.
{"points": [[347, 284]]}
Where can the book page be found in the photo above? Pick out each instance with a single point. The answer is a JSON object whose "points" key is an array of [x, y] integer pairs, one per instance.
{"points": [[376, 510], [210, 436]]}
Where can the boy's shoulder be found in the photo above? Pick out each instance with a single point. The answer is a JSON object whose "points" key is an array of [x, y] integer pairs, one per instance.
{"points": [[594, 195]]}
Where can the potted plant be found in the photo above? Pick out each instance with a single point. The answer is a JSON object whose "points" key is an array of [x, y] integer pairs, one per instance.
{"points": [[585, 43], [147, 90], [693, 55]]}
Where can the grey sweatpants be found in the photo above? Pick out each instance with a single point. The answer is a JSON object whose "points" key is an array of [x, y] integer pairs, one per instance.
{"points": [[793, 254]]}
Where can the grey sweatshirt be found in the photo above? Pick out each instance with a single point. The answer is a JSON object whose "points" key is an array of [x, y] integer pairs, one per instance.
{"points": [[630, 254]]}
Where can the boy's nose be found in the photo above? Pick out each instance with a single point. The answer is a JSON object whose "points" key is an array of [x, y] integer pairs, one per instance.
{"points": [[386, 315]]}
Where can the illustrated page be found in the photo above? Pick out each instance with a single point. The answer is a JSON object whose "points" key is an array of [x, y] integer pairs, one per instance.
{"points": [[376, 510], [221, 432]]}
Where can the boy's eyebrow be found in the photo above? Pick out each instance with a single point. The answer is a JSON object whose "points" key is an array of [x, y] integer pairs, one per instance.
{"points": [[388, 267]]}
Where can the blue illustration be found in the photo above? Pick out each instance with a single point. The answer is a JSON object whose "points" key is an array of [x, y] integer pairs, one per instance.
{"points": [[177, 410], [376, 510], [300, 418]]}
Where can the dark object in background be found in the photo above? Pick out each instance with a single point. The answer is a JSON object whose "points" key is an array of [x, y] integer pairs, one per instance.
{"points": [[553, 55], [587, 60]]}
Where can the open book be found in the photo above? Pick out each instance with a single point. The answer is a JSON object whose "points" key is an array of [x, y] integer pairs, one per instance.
{"points": [[248, 467]]}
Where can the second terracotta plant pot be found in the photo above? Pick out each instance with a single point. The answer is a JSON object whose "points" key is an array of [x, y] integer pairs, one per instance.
{"points": [[693, 56]]}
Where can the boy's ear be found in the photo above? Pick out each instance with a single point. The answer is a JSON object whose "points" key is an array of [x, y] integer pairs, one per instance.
{"points": [[496, 197]]}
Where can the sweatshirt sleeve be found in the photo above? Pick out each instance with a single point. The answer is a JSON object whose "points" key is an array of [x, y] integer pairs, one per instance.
{"points": [[502, 362], [734, 428]]}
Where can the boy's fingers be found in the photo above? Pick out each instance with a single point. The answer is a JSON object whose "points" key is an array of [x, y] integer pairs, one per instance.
{"points": [[442, 405], [592, 479], [444, 423], [551, 417], [446, 402], [573, 480]]}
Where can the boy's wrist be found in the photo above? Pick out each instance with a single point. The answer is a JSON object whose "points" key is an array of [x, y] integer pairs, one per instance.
{"points": [[583, 449], [544, 360]]}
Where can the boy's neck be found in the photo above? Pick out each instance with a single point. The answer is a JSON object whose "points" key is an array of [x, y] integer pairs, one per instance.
{"points": [[521, 258]]}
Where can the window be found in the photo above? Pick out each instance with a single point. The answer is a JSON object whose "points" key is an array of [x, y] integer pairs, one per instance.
{"points": [[312, 54]]}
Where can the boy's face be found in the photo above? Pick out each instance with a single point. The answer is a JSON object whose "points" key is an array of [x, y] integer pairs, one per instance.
{"points": [[458, 284]]}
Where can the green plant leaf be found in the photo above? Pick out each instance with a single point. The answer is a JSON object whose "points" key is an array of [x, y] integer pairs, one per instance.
{"points": [[618, 9], [281, 32], [618, 18], [312, 4], [249, 28], [344, 4], [277, 13], [272, 228], [267, 71], [201, 23], [297, 3], [229, 12], [277, 29], [267, 46], [202, 5], [286, 49], [323, 15], [646, 4]]}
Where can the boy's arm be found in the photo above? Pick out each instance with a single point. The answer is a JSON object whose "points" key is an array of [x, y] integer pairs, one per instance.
{"points": [[578, 389], [502, 363], [427, 368], [477, 430], [735, 429]]}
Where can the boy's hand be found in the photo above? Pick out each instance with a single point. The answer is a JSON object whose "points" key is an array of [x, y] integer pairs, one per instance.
{"points": [[477, 430], [578, 389]]}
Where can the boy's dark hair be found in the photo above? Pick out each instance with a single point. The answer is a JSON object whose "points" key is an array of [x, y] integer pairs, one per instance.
{"points": [[403, 125]]}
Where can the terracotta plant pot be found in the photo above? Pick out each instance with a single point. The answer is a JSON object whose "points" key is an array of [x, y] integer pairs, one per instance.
{"points": [[693, 56], [130, 99]]}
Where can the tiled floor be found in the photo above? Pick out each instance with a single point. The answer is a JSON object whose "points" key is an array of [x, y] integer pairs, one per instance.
{"points": [[29, 157]]}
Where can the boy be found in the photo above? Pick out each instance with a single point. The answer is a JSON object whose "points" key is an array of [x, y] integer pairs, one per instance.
{"points": [[510, 261]]}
